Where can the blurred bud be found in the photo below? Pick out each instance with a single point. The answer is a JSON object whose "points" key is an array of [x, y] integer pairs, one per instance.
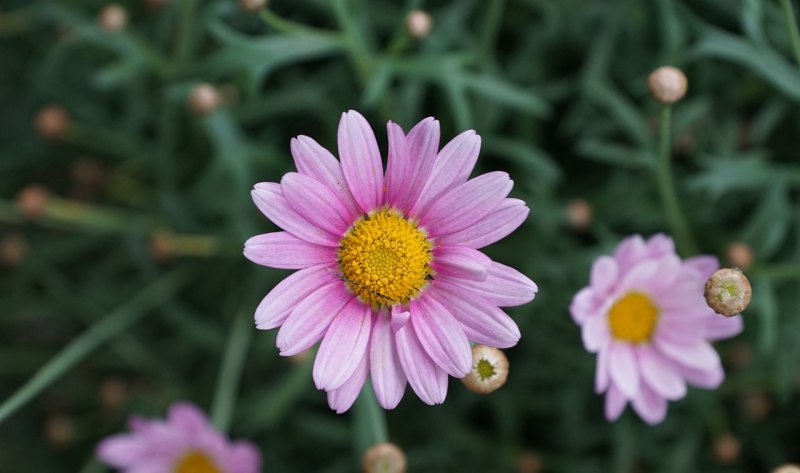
{"points": [[13, 249], [204, 99], [756, 405], [113, 393], [788, 468], [728, 292], [59, 431], [529, 462], [31, 200], [52, 122], [253, 5], [667, 84], [299, 358], [113, 18], [88, 173], [384, 458], [419, 24], [489, 370], [156, 4], [726, 449], [579, 214], [162, 247], [740, 355], [740, 255]]}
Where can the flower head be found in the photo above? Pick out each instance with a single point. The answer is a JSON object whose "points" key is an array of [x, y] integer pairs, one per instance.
{"points": [[384, 458], [728, 292], [390, 277], [489, 370], [183, 443], [644, 315], [667, 84]]}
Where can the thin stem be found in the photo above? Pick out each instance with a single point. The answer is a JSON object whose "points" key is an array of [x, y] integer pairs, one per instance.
{"points": [[666, 186], [791, 24], [230, 372], [152, 296], [369, 419]]}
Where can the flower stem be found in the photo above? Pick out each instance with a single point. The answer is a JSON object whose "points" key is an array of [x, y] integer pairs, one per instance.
{"points": [[153, 295], [675, 219], [791, 24], [369, 419], [230, 372]]}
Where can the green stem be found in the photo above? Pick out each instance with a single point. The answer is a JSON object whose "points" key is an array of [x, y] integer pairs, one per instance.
{"points": [[791, 24], [152, 296], [666, 187], [782, 271], [230, 372], [369, 419]]}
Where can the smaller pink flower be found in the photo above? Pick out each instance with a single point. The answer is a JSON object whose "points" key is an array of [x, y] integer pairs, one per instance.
{"points": [[644, 315], [184, 443]]}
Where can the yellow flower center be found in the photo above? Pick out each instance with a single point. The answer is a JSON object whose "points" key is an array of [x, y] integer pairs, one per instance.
{"points": [[196, 462], [633, 318], [385, 259], [485, 369]]}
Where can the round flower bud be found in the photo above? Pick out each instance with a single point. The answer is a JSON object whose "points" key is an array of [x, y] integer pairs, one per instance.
{"points": [[384, 458], [162, 246], [419, 24], [59, 431], [529, 462], [113, 18], [740, 255], [204, 99], [726, 449], [156, 4], [253, 5], [31, 200], [13, 249], [489, 370], [667, 84], [728, 292], [579, 214], [113, 393], [788, 468], [756, 405], [52, 121]]}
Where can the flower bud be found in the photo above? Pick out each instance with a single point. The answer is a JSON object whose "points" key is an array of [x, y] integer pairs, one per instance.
{"points": [[113, 393], [59, 431], [384, 458], [529, 462], [113, 18], [31, 200], [13, 249], [667, 84], [579, 214], [204, 99], [51, 122], [419, 24], [788, 468], [489, 370], [728, 292], [740, 255], [156, 4], [253, 5], [726, 449], [756, 405]]}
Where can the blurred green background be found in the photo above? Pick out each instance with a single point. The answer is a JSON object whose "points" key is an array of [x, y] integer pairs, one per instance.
{"points": [[127, 249]]}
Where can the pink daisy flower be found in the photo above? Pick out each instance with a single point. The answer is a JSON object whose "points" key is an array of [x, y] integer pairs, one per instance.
{"points": [[184, 443], [390, 277], [644, 315]]}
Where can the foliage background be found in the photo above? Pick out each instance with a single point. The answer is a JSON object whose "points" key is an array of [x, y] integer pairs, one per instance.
{"points": [[558, 92]]}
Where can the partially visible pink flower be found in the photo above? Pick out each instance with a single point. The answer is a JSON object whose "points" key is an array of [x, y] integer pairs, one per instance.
{"points": [[184, 443], [644, 315], [390, 277]]}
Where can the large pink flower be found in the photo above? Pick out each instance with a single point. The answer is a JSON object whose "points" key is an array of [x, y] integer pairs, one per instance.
{"points": [[391, 279], [183, 443], [644, 315]]}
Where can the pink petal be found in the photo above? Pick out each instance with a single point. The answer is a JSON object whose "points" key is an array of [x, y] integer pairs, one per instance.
{"points": [[631, 251], [584, 305], [311, 318], [503, 220], [121, 450], [651, 407], [719, 328], [399, 317], [279, 302], [244, 457], [623, 369], [659, 245], [284, 251], [388, 378], [601, 378], [595, 333], [361, 161], [441, 336], [316, 203], [451, 168], [670, 268], [707, 379], [342, 399], [315, 161], [466, 204], [504, 286], [270, 200], [604, 275], [399, 167], [423, 143], [461, 262], [482, 322], [343, 346], [661, 374], [703, 265], [692, 353], [188, 418], [615, 403], [425, 378]]}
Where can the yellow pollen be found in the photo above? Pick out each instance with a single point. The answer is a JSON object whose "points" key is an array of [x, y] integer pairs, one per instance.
{"points": [[196, 462], [633, 318], [385, 259]]}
